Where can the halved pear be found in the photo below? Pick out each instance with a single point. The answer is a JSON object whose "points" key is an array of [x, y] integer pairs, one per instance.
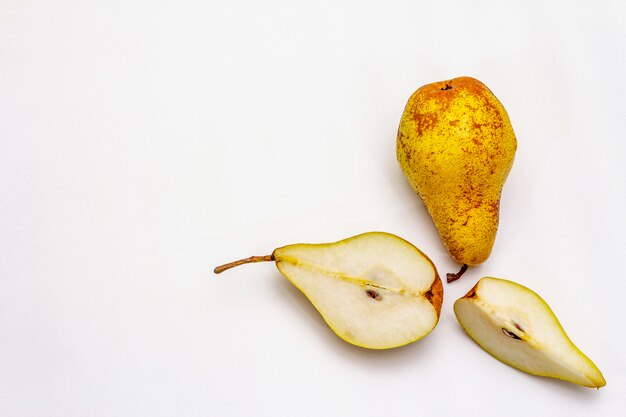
{"points": [[515, 325], [374, 290]]}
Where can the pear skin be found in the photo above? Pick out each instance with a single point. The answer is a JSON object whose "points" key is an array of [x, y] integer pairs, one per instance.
{"points": [[456, 147]]}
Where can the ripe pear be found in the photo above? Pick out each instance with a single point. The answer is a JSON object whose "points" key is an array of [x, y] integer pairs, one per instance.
{"points": [[517, 327], [456, 147], [374, 290]]}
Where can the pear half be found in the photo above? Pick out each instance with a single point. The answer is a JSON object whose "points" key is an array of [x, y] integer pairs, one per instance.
{"points": [[517, 327], [374, 290]]}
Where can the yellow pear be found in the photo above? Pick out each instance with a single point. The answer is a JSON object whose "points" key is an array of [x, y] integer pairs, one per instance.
{"points": [[456, 147]]}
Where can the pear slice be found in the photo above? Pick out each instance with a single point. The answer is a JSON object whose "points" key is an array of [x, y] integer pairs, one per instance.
{"points": [[374, 290], [515, 325]]}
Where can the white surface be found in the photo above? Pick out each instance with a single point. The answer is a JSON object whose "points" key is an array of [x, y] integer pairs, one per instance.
{"points": [[143, 143]]}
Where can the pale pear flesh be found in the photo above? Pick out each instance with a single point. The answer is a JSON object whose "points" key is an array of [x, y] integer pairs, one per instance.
{"points": [[374, 290], [517, 327]]}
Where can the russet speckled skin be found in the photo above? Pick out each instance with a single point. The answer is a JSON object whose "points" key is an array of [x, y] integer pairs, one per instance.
{"points": [[456, 147]]}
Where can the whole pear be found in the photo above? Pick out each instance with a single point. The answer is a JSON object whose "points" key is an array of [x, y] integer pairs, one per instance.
{"points": [[456, 147]]}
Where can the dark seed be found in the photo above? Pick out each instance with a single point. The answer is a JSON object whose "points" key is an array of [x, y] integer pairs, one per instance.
{"points": [[511, 334], [374, 294]]}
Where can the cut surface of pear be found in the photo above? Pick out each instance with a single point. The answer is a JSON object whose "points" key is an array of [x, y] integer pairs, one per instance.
{"points": [[517, 327], [374, 290]]}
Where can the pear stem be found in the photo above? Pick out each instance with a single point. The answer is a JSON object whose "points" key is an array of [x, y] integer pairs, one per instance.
{"points": [[265, 258], [451, 277]]}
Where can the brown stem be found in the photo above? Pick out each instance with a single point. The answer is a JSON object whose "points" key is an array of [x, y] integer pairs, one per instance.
{"points": [[251, 259], [451, 277]]}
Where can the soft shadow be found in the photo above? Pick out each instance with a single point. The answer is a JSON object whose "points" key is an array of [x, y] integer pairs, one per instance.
{"points": [[398, 181], [420, 219]]}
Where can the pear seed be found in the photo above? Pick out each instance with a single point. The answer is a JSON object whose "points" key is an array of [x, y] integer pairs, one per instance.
{"points": [[511, 334], [374, 294]]}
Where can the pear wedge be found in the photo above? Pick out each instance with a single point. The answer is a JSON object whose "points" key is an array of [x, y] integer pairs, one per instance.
{"points": [[374, 290], [517, 327]]}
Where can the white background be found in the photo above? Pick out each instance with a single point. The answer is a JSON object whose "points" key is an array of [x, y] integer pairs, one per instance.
{"points": [[144, 142]]}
